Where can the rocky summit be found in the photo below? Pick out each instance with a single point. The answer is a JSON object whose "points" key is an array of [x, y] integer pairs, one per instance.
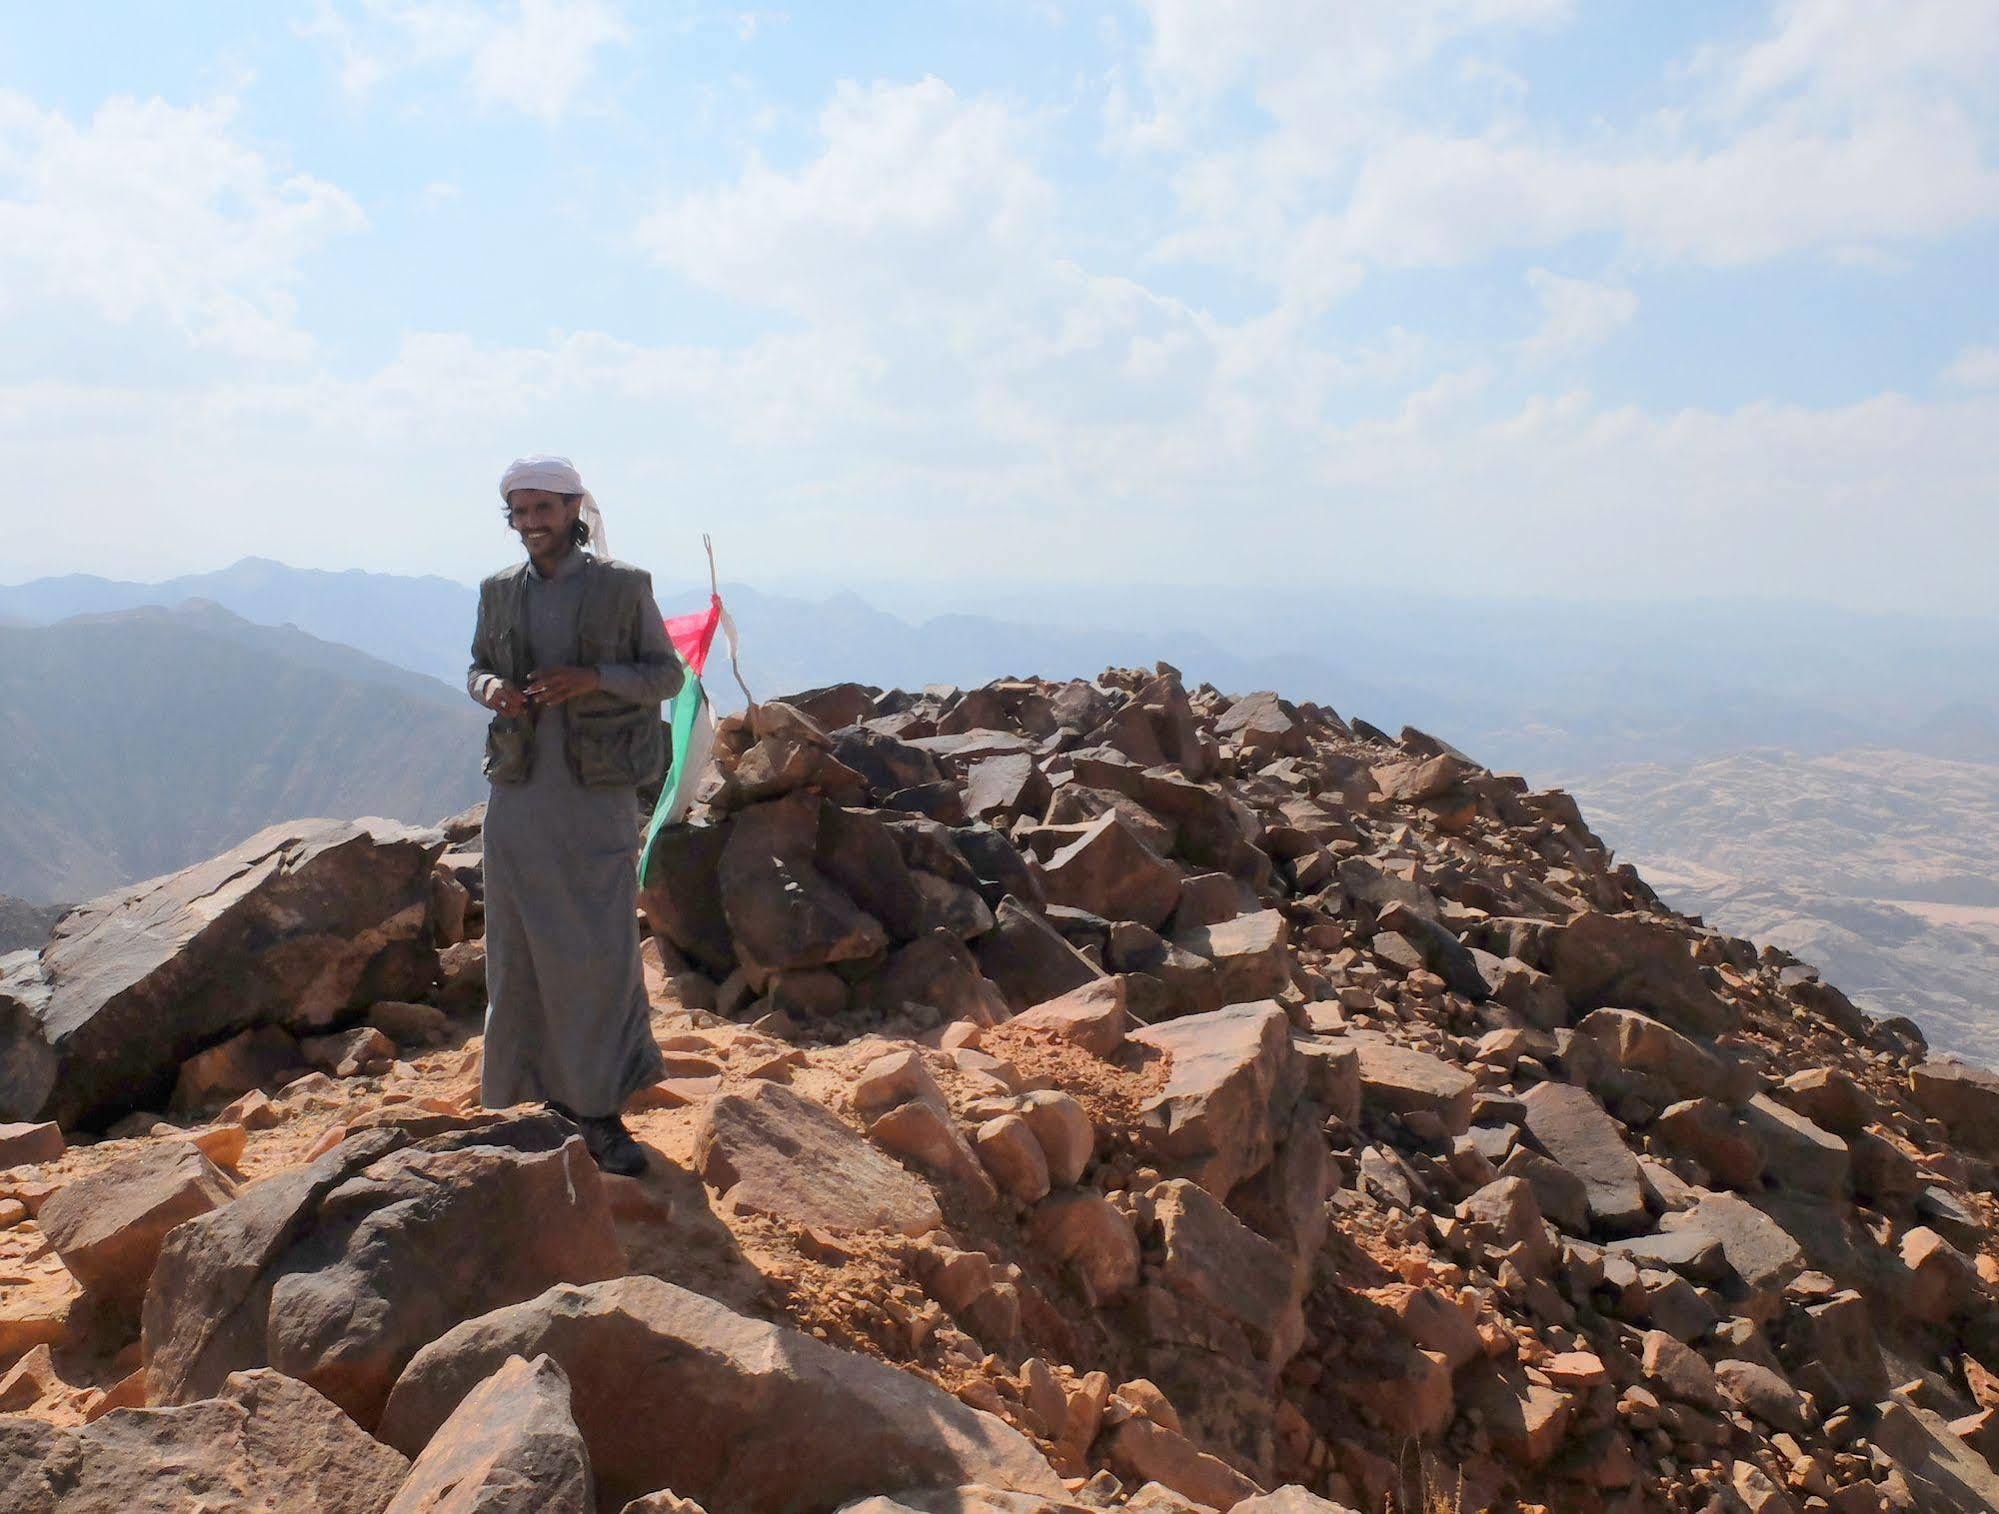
{"points": [[1078, 1096]]}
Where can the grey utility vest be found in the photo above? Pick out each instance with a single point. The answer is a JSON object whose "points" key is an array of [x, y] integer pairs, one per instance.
{"points": [[609, 742]]}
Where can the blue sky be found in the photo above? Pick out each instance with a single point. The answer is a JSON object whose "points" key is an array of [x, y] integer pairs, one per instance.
{"points": [[1494, 296]]}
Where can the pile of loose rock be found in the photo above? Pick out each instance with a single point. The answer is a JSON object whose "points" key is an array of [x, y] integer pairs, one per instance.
{"points": [[1079, 1096]]}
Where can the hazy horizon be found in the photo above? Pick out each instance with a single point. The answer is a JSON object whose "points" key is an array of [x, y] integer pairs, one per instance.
{"points": [[921, 600]]}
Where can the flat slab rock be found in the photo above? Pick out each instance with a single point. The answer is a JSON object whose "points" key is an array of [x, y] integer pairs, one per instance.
{"points": [[1569, 1124], [1965, 1098], [300, 922], [336, 1272], [264, 1442], [1404, 1080], [674, 1390], [1761, 1252], [768, 1151]]}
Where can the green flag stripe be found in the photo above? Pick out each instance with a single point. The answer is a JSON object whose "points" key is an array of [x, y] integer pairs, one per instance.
{"points": [[688, 706]]}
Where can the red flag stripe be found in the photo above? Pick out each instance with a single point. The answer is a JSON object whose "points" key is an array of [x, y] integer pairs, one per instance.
{"points": [[692, 635]]}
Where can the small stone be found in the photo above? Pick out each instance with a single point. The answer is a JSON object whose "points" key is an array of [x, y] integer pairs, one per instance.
{"points": [[347, 1054], [1068, 1140], [1682, 1372], [22, 1144], [222, 1144], [253, 1111], [1083, 1229], [1013, 1156]]}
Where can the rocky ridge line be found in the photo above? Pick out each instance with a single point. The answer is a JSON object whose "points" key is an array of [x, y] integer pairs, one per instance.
{"points": [[1087, 1095]]}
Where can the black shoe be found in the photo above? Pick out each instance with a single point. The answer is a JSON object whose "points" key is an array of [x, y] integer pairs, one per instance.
{"points": [[612, 1147]]}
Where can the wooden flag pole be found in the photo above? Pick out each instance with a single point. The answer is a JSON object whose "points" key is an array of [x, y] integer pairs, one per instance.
{"points": [[715, 588]]}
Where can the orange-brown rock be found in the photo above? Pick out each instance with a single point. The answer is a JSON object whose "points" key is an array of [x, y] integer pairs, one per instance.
{"points": [[770, 1151], [108, 1227], [762, 1417], [510, 1447], [264, 1441], [338, 1271]]}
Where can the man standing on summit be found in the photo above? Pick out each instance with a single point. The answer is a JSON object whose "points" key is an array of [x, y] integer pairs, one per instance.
{"points": [[571, 657]]}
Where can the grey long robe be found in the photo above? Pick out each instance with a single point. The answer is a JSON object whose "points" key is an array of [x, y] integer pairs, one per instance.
{"points": [[567, 1020]]}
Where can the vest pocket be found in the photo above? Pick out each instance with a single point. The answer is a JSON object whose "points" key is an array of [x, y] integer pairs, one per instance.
{"points": [[508, 739], [601, 747]]}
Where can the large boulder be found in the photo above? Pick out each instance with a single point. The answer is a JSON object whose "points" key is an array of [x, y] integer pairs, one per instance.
{"points": [[1965, 1098], [857, 851], [1092, 1017], [1263, 722], [1638, 1043], [1798, 1153], [1208, 828], [1232, 1084], [1008, 784], [782, 910], [1082, 1230], [1028, 959], [1109, 871], [1761, 1252], [682, 897], [673, 1390], [1251, 955], [936, 970], [1638, 963], [336, 1272], [510, 1447], [1218, 1263], [767, 1151], [263, 1442], [297, 925], [1716, 1137]]}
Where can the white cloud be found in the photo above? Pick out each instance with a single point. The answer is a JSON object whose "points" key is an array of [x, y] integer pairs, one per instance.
{"points": [[809, 461], [1576, 315], [534, 56], [1845, 127], [1853, 53], [540, 59], [153, 210], [967, 368], [914, 190], [1322, 68], [1975, 368], [1448, 201]]}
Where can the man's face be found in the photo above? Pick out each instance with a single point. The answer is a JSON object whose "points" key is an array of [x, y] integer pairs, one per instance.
{"points": [[543, 518]]}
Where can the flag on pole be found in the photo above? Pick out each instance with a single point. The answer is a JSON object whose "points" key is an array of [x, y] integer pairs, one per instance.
{"points": [[692, 716]]}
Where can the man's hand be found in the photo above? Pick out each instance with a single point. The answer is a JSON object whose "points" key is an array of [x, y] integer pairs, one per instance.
{"points": [[555, 685], [506, 699]]}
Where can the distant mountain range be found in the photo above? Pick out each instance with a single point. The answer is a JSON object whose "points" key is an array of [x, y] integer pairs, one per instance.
{"points": [[1553, 690], [1804, 774], [139, 741], [421, 624]]}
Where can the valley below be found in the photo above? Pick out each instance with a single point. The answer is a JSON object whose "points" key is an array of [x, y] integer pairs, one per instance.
{"points": [[1875, 865]]}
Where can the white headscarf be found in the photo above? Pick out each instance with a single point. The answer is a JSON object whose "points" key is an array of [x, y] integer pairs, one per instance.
{"points": [[558, 475]]}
